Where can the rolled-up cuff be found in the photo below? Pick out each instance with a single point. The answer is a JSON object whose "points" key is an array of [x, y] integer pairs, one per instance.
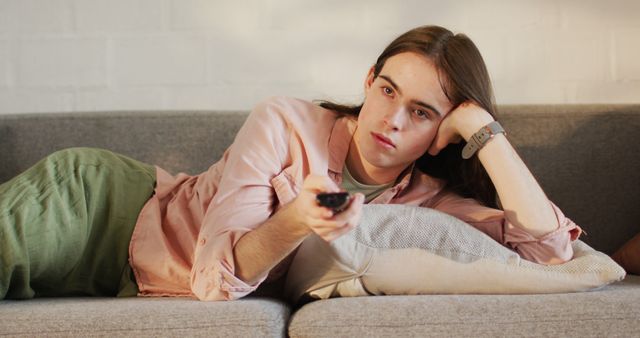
{"points": [[233, 286], [549, 249], [219, 283]]}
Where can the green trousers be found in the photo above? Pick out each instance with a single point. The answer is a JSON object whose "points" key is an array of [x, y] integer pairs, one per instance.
{"points": [[66, 224]]}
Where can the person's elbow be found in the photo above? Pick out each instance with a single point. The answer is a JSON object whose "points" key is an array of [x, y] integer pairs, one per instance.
{"points": [[546, 253]]}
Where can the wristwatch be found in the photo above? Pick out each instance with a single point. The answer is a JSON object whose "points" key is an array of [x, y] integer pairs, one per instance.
{"points": [[480, 138]]}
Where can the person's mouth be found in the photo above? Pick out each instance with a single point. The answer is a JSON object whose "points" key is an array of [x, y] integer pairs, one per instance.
{"points": [[383, 140]]}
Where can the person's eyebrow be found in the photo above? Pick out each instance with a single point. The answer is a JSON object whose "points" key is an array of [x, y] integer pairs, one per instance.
{"points": [[420, 103]]}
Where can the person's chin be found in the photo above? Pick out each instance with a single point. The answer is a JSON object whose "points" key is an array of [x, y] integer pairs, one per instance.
{"points": [[380, 160]]}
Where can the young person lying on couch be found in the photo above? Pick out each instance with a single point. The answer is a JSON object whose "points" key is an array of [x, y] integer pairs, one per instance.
{"points": [[91, 222]]}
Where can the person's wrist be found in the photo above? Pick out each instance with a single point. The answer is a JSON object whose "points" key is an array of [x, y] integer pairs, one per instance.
{"points": [[472, 123], [286, 220]]}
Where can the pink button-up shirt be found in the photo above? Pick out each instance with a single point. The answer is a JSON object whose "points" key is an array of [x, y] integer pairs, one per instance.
{"points": [[182, 244]]}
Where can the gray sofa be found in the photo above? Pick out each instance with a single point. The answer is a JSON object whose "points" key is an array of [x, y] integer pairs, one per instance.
{"points": [[584, 156]]}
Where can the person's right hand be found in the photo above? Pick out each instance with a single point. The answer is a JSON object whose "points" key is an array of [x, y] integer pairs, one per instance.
{"points": [[307, 215]]}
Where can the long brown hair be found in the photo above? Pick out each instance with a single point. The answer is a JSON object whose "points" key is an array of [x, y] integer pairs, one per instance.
{"points": [[463, 77]]}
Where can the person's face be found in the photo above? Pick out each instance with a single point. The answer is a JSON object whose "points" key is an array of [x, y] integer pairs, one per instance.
{"points": [[404, 104]]}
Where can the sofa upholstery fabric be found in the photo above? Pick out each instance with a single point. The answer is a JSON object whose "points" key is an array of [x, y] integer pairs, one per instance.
{"points": [[610, 313], [583, 156], [143, 317]]}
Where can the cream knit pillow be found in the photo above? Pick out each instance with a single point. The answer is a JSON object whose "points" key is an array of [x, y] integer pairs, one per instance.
{"points": [[398, 250]]}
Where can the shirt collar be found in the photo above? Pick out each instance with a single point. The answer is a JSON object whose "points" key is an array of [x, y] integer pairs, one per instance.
{"points": [[339, 142], [405, 177]]}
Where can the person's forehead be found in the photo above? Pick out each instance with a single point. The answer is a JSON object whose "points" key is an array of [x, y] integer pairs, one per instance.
{"points": [[418, 79]]}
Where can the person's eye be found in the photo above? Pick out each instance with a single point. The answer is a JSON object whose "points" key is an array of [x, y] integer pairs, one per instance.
{"points": [[388, 91], [422, 114]]}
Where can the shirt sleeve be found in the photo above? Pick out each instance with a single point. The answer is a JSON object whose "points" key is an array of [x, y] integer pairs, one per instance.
{"points": [[243, 201], [549, 249]]}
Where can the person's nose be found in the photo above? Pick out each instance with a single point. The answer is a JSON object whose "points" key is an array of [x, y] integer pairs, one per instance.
{"points": [[394, 119]]}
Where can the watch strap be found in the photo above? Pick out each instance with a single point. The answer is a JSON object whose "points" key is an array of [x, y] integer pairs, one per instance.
{"points": [[480, 138]]}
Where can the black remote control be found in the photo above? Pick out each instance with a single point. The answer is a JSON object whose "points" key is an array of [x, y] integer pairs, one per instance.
{"points": [[336, 201]]}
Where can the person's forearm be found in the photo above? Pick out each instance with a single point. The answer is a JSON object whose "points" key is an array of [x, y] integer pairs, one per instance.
{"points": [[523, 201], [522, 198], [260, 250]]}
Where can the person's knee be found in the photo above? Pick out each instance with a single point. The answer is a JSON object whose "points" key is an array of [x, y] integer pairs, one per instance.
{"points": [[76, 155]]}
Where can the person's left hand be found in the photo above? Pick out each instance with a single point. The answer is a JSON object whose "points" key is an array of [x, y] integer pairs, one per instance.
{"points": [[460, 124]]}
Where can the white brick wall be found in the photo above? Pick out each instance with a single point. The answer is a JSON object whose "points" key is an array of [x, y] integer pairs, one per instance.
{"points": [[224, 17], [626, 55], [24, 17], [86, 55], [14, 100], [120, 16], [4, 64], [60, 62], [166, 60]]}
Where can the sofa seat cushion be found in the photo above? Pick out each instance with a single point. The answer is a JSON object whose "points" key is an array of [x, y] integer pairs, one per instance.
{"points": [[611, 310], [138, 317]]}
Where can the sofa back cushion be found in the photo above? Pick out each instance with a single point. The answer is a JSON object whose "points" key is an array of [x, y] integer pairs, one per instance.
{"points": [[584, 156], [177, 141]]}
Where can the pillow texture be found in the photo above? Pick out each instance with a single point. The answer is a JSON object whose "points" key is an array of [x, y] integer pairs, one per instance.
{"points": [[408, 250]]}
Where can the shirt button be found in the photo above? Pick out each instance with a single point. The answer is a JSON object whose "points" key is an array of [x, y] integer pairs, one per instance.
{"points": [[203, 241]]}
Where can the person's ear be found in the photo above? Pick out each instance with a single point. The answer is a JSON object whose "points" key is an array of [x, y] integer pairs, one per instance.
{"points": [[369, 79]]}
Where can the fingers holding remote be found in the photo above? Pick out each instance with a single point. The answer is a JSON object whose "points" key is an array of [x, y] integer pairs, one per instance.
{"points": [[336, 201], [308, 213], [314, 186], [346, 220]]}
